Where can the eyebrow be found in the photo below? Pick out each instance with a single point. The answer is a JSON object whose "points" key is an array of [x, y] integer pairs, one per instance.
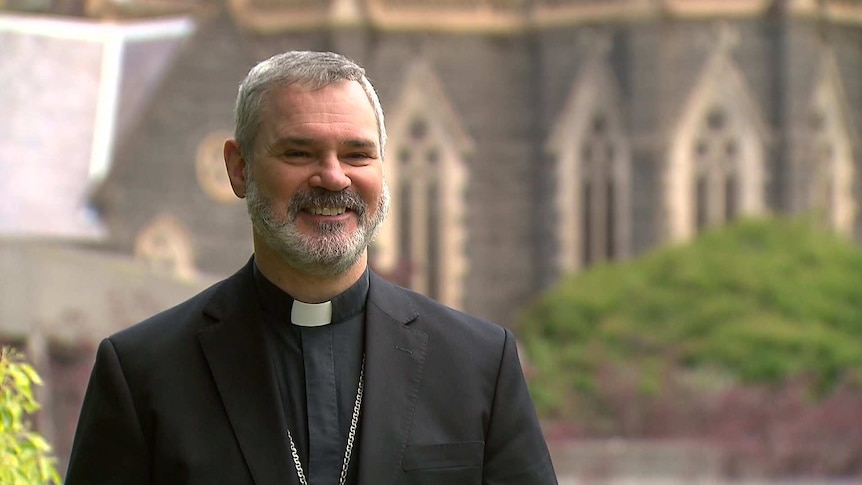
{"points": [[307, 142], [360, 143]]}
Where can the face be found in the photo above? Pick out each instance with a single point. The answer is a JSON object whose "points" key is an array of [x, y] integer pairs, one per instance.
{"points": [[315, 189]]}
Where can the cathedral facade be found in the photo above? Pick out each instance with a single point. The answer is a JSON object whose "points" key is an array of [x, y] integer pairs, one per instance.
{"points": [[528, 139]]}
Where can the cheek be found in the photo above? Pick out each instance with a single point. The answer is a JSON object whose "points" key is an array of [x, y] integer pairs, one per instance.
{"points": [[284, 184], [369, 185], [372, 194]]}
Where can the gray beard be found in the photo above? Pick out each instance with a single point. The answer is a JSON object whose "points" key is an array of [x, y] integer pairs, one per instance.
{"points": [[328, 252]]}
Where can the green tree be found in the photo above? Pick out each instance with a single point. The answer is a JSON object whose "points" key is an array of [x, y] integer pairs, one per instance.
{"points": [[25, 457]]}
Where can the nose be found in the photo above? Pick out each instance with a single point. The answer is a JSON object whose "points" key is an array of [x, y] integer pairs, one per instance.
{"points": [[330, 175]]}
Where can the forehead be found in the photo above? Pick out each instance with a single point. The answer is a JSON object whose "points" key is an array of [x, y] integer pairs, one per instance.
{"points": [[335, 107]]}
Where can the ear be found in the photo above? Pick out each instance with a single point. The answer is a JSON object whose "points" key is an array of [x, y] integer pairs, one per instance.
{"points": [[236, 166]]}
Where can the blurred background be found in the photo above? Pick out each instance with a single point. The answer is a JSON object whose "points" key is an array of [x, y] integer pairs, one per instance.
{"points": [[658, 196]]}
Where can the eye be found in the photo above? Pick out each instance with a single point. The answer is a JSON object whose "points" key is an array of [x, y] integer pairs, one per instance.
{"points": [[297, 157], [358, 158]]}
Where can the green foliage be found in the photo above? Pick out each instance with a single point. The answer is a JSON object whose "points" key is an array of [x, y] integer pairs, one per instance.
{"points": [[758, 302], [24, 455]]}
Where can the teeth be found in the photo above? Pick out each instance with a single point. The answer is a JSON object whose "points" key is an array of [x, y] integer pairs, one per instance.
{"points": [[328, 211]]}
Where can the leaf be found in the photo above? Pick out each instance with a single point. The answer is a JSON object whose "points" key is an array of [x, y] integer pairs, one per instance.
{"points": [[25, 457], [6, 418], [31, 374]]}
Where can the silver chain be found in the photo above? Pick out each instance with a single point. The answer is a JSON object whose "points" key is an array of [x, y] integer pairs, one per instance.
{"points": [[351, 436], [296, 463]]}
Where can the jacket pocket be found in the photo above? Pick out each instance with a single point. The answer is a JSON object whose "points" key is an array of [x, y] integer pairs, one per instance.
{"points": [[444, 456]]}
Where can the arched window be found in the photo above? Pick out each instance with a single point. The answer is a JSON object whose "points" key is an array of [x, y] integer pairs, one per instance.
{"points": [[598, 226], [716, 169], [820, 167], [420, 205], [593, 165], [426, 172], [166, 247], [716, 158], [825, 173]]}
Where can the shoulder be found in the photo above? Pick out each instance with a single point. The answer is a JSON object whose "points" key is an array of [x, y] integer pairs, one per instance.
{"points": [[184, 315], [442, 323], [176, 329]]}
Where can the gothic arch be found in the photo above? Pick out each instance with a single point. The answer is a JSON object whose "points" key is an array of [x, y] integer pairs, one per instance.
{"points": [[824, 171], [593, 168], [716, 170], [165, 246], [425, 234]]}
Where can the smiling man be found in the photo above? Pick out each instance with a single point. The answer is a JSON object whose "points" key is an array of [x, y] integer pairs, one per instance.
{"points": [[305, 367]]}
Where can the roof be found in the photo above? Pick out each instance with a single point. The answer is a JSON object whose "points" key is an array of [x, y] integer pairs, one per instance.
{"points": [[69, 85]]}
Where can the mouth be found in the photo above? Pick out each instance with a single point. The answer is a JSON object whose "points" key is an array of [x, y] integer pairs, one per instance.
{"points": [[327, 211], [325, 205]]}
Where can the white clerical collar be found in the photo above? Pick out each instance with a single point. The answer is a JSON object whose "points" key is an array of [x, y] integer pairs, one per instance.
{"points": [[311, 314]]}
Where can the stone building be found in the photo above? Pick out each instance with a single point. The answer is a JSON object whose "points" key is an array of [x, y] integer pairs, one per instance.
{"points": [[528, 138]]}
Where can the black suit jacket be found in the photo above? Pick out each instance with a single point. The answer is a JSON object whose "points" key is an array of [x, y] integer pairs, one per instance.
{"points": [[189, 397]]}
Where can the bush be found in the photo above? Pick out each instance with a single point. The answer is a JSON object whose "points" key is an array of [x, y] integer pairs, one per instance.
{"points": [[24, 455], [664, 346]]}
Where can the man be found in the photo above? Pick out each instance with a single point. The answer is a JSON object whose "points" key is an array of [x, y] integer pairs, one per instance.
{"points": [[306, 367]]}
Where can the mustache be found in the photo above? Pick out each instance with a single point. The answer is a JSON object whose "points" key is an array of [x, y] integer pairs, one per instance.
{"points": [[318, 197]]}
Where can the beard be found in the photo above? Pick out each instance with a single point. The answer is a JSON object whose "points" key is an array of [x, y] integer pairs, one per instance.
{"points": [[330, 250]]}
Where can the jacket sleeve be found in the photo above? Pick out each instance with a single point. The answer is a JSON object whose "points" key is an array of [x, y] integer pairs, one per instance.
{"points": [[109, 446], [515, 448]]}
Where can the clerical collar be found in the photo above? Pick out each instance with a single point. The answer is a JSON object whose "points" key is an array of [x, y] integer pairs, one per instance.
{"points": [[284, 308], [311, 314]]}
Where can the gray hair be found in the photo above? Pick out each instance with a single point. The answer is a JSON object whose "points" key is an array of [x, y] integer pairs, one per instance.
{"points": [[307, 68]]}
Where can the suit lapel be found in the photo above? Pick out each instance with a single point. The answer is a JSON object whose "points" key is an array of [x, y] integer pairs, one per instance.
{"points": [[240, 364], [395, 356]]}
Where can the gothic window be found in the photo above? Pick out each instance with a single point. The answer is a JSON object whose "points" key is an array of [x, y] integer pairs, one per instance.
{"points": [[419, 217], [592, 172], [421, 244], [165, 246], [598, 228], [716, 170], [820, 165], [826, 172]]}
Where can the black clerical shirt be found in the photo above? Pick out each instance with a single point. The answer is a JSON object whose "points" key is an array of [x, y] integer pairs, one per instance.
{"points": [[285, 340]]}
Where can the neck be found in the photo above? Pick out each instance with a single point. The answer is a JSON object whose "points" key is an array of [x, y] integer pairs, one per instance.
{"points": [[301, 285]]}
